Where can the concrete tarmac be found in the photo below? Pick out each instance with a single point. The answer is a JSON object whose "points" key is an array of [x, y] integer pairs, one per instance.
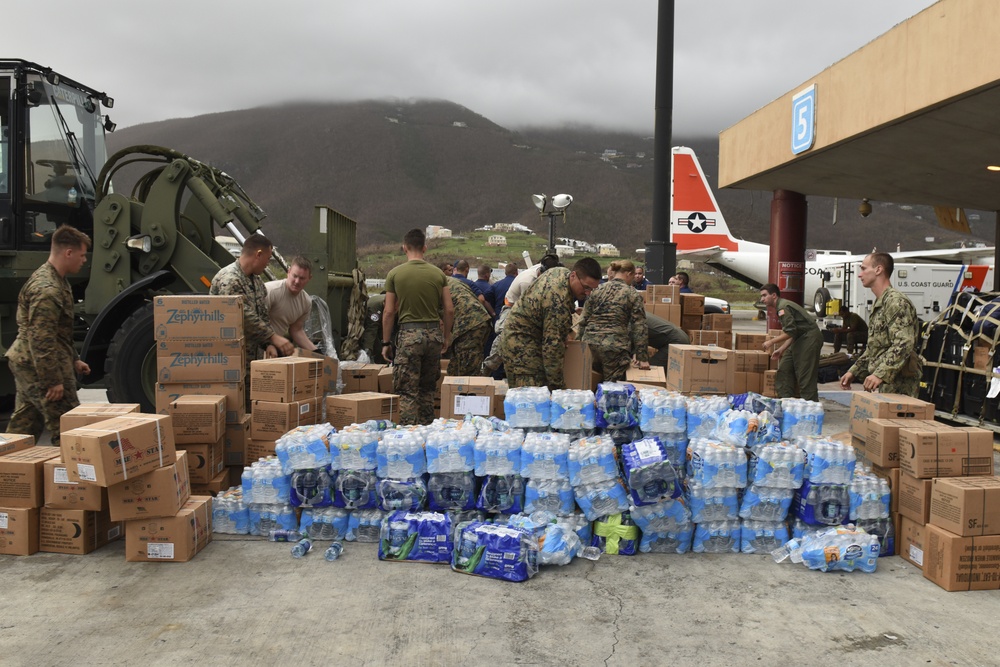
{"points": [[245, 601]]}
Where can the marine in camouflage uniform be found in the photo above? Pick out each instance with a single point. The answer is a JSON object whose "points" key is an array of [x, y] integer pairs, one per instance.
{"points": [[42, 355], [533, 342], [614, 325], [468, 332], [893, 337]]}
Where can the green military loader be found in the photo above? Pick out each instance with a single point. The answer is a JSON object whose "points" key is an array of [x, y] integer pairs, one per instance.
{"points": [[159, 238]]}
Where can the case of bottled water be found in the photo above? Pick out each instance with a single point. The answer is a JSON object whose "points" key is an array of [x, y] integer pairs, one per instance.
{"points": [[768, 430], [327, 523], [265, 518], [601, 498], [762, 537], [617, 535], [715, 503], [592, 460], [400, 455], [617, 406], [573, 410], [736, 427], [355, 489], [663, 517], [755, 402], [716, 537], [424, 537], [714, 464], [801, 418], [552, 495], [357, 449], [823, 504], [451, 491], [230, 514], [501, 493], [675, 445], [884, 530], [870, 498], [559, 546], [766, 503], [676, 541], [578, 523], [304, 447], [545, 456], [310, 487], [495, 551], [649, 474], [704, 414], [778, 465], [268, 484], [499, 453], [527, 407], [662, 411], [833, 549], [402, 494], [828, 461], [364, 525], [451, 450]]}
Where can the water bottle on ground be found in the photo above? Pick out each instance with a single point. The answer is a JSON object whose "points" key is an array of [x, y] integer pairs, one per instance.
{"points": [[333, 551], [303, 547]]}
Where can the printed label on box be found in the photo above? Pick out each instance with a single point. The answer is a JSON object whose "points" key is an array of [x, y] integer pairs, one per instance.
{"points": [[87, 473], [3, 521], [165, 550], [61, 476], [477, 405], [917, 555]]}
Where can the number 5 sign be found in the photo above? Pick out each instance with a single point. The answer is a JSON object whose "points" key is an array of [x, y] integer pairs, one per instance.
{"points": [[804, 119]]}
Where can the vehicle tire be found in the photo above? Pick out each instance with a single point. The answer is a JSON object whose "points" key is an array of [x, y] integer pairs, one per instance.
{"points": [[820, 300], [130, 368]]}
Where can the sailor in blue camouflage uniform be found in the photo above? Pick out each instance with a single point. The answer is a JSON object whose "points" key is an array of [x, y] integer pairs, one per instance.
{"points": [[614, 324], [42, 358], [891, 362], [533, 342], [469, 330]]}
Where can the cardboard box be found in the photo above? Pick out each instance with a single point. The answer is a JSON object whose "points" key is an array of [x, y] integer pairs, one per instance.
{"points": [[698, 370], [18, 531], [467, 395], [161, 492], [957, 563], [717, 338], [288, 379], [22, 477], [859, 447], [966, 506], [746, 341], [769, 387], [330, 369], [216, 360], [385, 381], [865, 406], [360, 377], [61, 493], [198, 418], [669, 312], [693, 304], [194, 316], [656, 376], [234, 442], [914, 498], [16, 442], [718, 322], [260, 449], [741, 383], [690, 323], [91, 413], [77, 532], [233, 391], [270, 421], [578, 366], [205, 460], [926, 452], [663, 294], [357, 408], [118, 449], [910, 540], [499, 394], [218, 484], [882, 440], [171, 539], [749, 361]]}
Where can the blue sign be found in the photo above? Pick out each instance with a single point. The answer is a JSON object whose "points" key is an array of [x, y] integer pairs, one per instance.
{"points": [[804, 120]]}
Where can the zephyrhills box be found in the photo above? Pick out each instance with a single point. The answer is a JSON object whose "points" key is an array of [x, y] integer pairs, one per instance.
{"points": [[118, 449], [197, 316], [170, 539], [200, 360], [161, 492]]}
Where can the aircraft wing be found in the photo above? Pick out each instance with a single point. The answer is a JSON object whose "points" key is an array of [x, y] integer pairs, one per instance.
{"points": [[941, 256], [701, 254]]}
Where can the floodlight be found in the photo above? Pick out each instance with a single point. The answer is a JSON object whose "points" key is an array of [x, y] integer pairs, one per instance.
{"points": [[562, 201], [539, 202]]}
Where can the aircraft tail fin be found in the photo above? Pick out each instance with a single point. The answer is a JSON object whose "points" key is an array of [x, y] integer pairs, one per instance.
{"points": [[696, 221]]}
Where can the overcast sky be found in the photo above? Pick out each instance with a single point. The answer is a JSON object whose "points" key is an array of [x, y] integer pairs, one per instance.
{"points": [[517, 62]]}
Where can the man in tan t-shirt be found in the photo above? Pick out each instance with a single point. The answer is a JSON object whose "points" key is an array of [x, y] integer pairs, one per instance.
{"points": [[289, 305]]}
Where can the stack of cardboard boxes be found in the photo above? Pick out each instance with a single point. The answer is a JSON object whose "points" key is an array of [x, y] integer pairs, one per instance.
{"points": [[285, 393], [200, 351], [199, 423], [944, 494]]}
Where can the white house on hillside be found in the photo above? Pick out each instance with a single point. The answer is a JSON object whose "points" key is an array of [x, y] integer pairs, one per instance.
{"points": [[437, 232], [497, 240]]}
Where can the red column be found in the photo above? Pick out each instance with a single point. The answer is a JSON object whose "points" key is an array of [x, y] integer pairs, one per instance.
{"points": [[787, 263]]}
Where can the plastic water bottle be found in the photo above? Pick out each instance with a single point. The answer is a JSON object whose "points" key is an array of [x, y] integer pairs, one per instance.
{"points": [[282, 535], [333, 551], [591, 553], [662, 411], [303, 547], [71, 196]]}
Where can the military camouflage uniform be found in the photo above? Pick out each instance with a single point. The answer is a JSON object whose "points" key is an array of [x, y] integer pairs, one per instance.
{"points": [[371, 340], [893, 337], [800, 362], [42, 355], [614, 325], [533, 342], [417, 347], [469, 330], [257, 331]]}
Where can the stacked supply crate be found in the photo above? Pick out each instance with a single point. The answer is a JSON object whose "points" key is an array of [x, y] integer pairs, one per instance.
{"points": [[285, 393]]}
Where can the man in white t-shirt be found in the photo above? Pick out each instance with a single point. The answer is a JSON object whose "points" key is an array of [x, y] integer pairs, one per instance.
{"points": [[289, 304]]}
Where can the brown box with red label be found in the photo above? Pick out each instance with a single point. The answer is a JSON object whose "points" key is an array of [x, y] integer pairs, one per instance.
{"points": [[118, 449]]}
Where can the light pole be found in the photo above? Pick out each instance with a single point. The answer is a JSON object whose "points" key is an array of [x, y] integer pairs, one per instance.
{"points": [[559, 205]]}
